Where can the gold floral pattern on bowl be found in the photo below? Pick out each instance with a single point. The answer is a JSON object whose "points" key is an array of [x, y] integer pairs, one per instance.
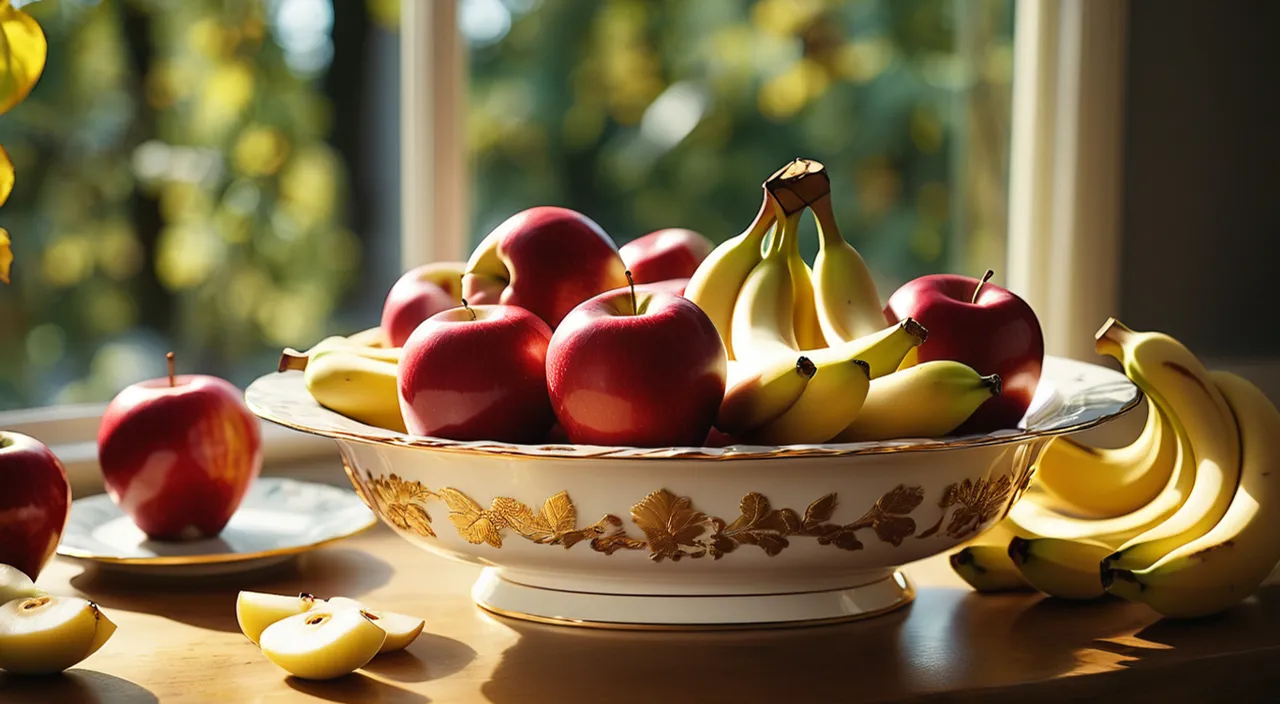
{"points": [[674, 529]]}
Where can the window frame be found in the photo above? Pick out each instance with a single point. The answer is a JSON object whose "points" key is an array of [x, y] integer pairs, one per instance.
{"points": [[1065, 181]]}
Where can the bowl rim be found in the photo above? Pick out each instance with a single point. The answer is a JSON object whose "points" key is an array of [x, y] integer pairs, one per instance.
{"points": [[292, 382]]}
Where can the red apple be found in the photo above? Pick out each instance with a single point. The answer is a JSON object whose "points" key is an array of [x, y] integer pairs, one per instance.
{"points": [[643, 369], [546, 260], [675, 286], [984, 326], [673, 253], [35, 498], [179, 453], [419, 294], [477, 373]]}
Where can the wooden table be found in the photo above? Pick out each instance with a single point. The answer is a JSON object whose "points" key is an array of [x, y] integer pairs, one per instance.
{"points": [[178, 642]]}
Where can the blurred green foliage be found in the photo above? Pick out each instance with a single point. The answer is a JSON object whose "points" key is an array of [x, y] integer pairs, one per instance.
{"points": [[671, 113], [179, 188], [175, 192]]}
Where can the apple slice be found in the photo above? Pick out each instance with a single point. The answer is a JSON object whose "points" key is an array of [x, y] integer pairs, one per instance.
{"points": [[256, 610], [401, 629], [47, 634], [15, 584], [322, 643]]}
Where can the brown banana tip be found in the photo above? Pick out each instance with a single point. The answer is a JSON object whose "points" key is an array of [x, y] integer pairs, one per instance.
{"points": [[915, 329], [1019, 550], [994, 383], [806, 367], [961, 559], [866, 368], [291, 359]]}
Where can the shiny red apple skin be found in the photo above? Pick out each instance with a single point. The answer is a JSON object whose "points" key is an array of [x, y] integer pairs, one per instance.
{"points": [[179, 459], [417, 295], [655, 379], [544, 259], [35, 500], [675, 286], [997, 334], [673, 253], [481, 379]]}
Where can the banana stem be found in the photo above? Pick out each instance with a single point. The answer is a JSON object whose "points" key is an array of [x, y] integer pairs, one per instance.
{"points": [[765, 218], [915, 329], [994, 383], [826, 219], [172, 380], [292, 360], [798, 184], [1111, 337]]}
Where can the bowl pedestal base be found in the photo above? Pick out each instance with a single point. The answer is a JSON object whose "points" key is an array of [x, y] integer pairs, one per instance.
{"points": [[689, 613]]}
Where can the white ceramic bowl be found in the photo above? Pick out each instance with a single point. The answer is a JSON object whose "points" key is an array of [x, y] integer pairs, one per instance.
{"points": [[697, 537]]}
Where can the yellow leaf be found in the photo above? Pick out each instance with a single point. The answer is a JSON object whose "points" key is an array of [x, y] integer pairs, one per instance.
{"points": [[22, 55], [6, 256], [6, 176]]}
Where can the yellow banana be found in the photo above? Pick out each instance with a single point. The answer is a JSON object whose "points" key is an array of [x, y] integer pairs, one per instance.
{"points": [[928, 400], [1179, 385], [808, 330], [356, 385], [1068, 569], [763, 318], [1034, 513], [369, 339], [756, 395], [715, 284], [882, 350], [1104, 483], [1225, 565], [848, 304], [829, 402], [984, 562]]}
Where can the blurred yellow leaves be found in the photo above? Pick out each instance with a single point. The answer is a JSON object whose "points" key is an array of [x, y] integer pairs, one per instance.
{"points": [[260, 150], [786, 94], [6, 176], [6, 255], [22, 55]]}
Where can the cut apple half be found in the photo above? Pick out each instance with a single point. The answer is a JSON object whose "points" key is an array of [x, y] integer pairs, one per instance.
{"points": [[15, 584], [401, 629], [323, 643], [45, 634], [256, 610]]}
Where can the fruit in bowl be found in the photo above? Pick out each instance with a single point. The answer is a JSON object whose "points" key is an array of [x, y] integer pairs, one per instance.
{"points": [[477, 373], [983, 326], [35, 501], [636, 367], [417, 295], [673, 253], [546, 260], [179, 453]]}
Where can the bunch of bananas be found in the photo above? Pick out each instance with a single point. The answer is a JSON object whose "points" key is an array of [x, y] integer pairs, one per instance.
{"points": [[812, 356], [1179, 519]]}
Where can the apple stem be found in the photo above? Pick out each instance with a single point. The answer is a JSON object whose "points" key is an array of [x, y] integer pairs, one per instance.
{"points": [[472, 312], [985, 278], [172, 380], [632, 283]]}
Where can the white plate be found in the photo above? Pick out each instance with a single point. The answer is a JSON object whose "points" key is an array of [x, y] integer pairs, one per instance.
{"points": [[278, 519]]}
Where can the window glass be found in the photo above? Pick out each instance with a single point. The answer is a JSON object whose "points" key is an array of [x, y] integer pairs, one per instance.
{"points": [[217, 178]]}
